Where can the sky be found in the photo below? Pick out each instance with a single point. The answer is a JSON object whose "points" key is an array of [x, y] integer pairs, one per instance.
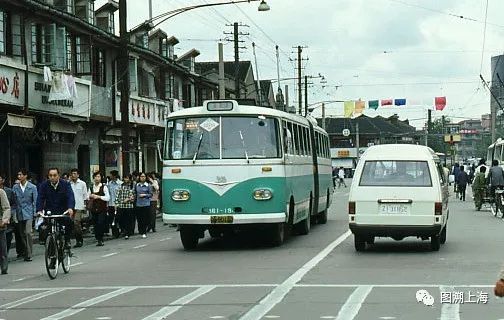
{"points": [[365, 49]]}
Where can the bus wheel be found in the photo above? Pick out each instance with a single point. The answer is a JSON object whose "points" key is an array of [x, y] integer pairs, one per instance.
{"points": [[303, 227], [322, 216], [189, 237], [277, 234]]}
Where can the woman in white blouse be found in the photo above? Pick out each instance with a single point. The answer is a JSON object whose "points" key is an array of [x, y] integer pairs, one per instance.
{"points": [[99, 197]]}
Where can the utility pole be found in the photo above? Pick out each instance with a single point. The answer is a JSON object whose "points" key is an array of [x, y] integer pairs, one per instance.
{"points": [[323, 116], [443, 119], [357, 137], [236, 40], [222, 79], [300, 91], [259, 91], [305, 95], [429, 126], [124, 87]]}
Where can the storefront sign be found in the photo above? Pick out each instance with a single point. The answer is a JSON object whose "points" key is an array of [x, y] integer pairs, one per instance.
{"points": [[12, 79], [145, 111], [38, 97]]}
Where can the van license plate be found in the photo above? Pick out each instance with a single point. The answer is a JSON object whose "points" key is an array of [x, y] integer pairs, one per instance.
{"points": [[221, 219], [394, 209]]}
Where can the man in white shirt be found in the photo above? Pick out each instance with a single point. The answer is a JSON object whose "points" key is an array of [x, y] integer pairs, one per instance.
{"points": [[79, 189], [341, 176], [482, 163]]}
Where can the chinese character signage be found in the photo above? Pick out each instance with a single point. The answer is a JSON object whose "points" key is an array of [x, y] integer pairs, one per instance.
{"points": [[12, 82]]}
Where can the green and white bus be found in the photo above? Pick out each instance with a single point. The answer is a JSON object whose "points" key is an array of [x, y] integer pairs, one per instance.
{"points": [[228, 167]]}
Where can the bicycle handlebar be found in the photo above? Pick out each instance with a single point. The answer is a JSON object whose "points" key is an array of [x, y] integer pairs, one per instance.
{"points": [[55, 216]]}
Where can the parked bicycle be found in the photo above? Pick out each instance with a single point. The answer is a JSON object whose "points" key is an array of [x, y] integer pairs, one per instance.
{"points": [[55, 251]]}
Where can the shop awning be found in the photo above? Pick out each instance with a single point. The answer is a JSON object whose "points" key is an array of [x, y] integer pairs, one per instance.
{"points": [[15, 120], [64, 127]]}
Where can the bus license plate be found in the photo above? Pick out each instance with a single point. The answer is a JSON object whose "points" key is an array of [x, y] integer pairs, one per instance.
{"points": [[394, 209], [221, 219]]}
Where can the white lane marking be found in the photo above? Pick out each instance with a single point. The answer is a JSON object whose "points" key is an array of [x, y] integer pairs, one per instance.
{"points": [[29, 299], [449, 311], [277, 294], [246, 285], [179, 303], [328, 317], [164, 239], [218, 317], [88, 303], [140, 246], [387, 318], [110, 254], [103, 318], [17, 280], [77, 264], [353, 304], [272, 317]]}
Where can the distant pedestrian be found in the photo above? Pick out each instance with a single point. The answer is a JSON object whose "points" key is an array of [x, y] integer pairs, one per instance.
{"points": [[5, 215], [13, 229], [26, 207], [154, 201], [446, 172], [79, 189], [125, 199], [341, 177], [479, 187], [113, 185], [455, 172], [482, 163], [98, 198], [462, 180], [143, 192]]}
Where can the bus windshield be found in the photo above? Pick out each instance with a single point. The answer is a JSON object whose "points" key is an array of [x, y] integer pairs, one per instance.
{"points": [[222, 138]]}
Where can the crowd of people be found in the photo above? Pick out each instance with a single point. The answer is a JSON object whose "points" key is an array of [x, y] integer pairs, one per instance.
{"points": [[107, 205]]}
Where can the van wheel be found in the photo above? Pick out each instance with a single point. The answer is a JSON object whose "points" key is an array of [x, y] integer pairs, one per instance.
{"points": [[442, 237], [435, 242], [189, 237], [359, 242], [277, 234], [303, 227]]}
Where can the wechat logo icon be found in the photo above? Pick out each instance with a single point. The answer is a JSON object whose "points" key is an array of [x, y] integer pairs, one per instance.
{"points": [[425, 297]]}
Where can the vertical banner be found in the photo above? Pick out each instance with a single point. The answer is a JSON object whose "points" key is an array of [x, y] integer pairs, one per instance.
{"points": [[400, 102], [373, 104], [349, 108], [386, 102]]}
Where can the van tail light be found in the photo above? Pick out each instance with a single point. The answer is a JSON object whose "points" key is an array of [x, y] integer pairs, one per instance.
{"points": [[351, 207], [438, 208]]}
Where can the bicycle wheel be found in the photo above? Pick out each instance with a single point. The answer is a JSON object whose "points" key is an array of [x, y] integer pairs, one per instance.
{"points": [[51, 256], [65, 257]]}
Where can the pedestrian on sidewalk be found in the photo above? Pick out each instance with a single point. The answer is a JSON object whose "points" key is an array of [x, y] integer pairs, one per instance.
{"points": [[14, 230], [456, 170], [125, 199], [341, 177], [113, 185], [478, 187], [26, 204], [143, 192], [153, 201], [79, 189], [98, 198], [462, 180], [5, 215]]}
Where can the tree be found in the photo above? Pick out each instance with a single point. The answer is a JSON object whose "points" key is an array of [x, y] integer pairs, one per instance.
{"points": [[436, 135]]}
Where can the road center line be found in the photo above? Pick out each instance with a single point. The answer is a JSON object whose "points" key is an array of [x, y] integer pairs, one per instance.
{"points": [[277, 294], [353, 304], [110, 254], [449, 311], [88, 303], [140, 246], [179, 303], [164, 239], [29, 299]]}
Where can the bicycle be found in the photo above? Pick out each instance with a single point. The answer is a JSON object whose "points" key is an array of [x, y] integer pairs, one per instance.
{"points": [[55, 251], [499, 201]]}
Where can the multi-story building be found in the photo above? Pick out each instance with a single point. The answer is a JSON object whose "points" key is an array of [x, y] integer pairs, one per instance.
{"points": [[79, 44]]}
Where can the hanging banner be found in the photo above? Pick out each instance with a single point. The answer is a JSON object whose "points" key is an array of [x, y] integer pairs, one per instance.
{"points": [[359, 107], [440, 103], [373, 104], [386, 102], [349, 108], [400, 102]]}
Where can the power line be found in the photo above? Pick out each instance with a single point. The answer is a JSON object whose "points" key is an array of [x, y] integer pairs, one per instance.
{"points": [[484, 37], [405, 84]]}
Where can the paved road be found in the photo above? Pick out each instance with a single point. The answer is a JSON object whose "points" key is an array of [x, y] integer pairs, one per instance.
{"points": [[319, 276]]}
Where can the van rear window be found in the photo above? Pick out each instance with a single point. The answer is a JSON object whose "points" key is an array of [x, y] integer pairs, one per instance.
{"points": [[390, 173]]}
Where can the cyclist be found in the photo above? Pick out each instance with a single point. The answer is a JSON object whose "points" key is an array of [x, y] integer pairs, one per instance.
{"points": [[56, 195], [496, 177]]}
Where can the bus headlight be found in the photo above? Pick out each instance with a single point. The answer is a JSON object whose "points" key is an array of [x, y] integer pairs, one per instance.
{"points": [[262, 194], [180, 195]]}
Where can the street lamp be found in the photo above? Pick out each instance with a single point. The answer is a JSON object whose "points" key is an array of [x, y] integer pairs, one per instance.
{"points": [[123, 61]]}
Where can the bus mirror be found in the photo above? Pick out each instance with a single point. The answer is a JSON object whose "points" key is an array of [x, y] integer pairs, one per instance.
{"points": [[159, 145]]}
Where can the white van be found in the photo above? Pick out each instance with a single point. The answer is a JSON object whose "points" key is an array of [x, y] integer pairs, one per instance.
{"points": [[398, 190]]}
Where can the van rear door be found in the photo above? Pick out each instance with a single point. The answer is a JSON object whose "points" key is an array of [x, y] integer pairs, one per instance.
{"points": [[396, 192]]}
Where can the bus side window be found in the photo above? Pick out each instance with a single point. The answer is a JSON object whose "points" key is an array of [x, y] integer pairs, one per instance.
{"points": [[293, 138], [303, 141], [296, 139], [287, 139], [308, 141]]}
